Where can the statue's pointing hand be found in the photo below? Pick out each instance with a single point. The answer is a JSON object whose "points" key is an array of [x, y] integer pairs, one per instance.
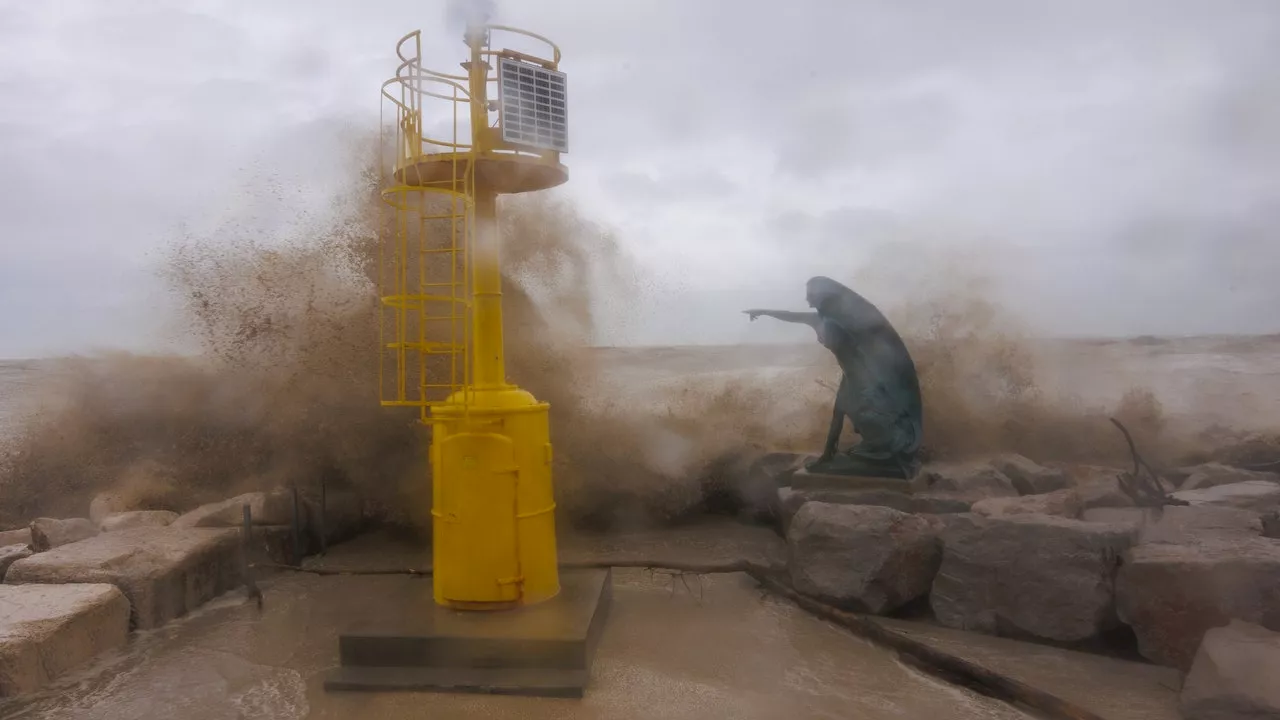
{"points": [[753, 314]]}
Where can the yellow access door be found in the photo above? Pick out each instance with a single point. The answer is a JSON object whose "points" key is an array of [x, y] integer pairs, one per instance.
{"points": [[474, 518]]}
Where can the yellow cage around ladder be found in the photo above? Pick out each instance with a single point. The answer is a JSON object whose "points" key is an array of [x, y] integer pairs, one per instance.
{"points": [[423, 267]]}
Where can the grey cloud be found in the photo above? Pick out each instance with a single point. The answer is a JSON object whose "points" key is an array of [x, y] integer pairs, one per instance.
{"points": [[1115, 166], [681, 186]]}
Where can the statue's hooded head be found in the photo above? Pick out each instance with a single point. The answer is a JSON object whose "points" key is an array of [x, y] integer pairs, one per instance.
{"points": [[842, 306], [821, 290]]}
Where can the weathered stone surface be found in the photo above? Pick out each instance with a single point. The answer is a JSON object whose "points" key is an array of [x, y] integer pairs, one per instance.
{"points": [[790, 500], [802, 479], [939, 504], [871, 558], [137, 518], [9, 554], [1098, 486], [1215, 474], [1171, 594], [164, 571], [1260, 496], [49, 630], [1236, 675], [265, 508], [1029, 477], [107, 503], [1179, 524], [1029, 575], [48, 533], [21, 536], [1061, 503], [970, 481]]}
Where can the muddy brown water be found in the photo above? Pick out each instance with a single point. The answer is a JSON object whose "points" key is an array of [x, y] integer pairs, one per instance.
{"points": [[717, 649]]}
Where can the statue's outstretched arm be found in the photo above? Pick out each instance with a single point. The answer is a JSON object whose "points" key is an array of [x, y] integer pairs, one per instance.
{"points": [[803, 318]]}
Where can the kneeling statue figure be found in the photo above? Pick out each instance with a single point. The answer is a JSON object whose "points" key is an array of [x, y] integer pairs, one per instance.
{"points": [[879, 390]]}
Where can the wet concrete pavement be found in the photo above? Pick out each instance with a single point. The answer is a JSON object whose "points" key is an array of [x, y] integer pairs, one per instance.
{"points": [[715, 649], [1108, 687]]}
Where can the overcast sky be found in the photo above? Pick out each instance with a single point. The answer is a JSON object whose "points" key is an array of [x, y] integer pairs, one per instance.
{"points": [[1114, 166]]}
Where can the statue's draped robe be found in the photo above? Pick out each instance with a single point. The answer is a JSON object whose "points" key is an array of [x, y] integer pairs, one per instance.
{"points": [[880, 390]]}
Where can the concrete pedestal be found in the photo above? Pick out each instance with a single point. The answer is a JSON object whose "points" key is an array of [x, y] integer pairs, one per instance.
{"points": [[804, 480], [545, 649]]}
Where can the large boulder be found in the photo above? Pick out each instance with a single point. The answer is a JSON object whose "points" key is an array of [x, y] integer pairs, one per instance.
{"points": [[791, 499], [9, 554], [136, 518], [1215, 474], [970, 481], [939, 504], [1260, 496], [164, 571], [1029, 477], [1061, 503], [107, 503], [1235, 675], [47, 631], [1171, 594], [870, 558], [21, 536], [49, 533], [265, 508], [1179, 523], [1098, 486], [1029, 576]]}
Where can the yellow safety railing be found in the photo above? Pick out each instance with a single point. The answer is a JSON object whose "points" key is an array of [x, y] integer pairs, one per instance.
{"points": [[424, 266]]}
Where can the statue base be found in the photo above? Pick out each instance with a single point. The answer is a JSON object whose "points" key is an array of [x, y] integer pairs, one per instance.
{"points": [[847, 465], [806, 479]]}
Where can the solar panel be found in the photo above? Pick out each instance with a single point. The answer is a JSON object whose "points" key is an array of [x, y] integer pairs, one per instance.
{"points": [[531, 106]]}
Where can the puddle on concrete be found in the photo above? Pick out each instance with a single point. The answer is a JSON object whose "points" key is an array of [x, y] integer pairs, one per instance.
{"points": [[715, 649]]}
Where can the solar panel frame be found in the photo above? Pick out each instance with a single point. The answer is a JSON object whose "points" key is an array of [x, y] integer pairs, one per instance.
{"points": [[532, 105]]}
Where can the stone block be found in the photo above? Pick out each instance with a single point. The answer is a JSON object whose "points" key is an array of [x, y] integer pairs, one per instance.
{"points": [[1210, 475], [165, 572], [49, 630], [266, 508], [1178, 523], [1235, 675], [136, 518], [1029, 576], [1260, 496], [1172, 594], [48, 533], [21, 536], [969, 481], [10, 554], [1061, 503], [1029, 477], [874, 559]]}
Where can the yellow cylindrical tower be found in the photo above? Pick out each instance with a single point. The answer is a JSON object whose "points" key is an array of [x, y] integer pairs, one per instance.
{"points": [[493, 507]]}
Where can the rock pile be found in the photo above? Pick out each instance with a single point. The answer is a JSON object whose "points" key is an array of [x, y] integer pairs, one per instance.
{"points": [[75, 587], [1059, 555]]}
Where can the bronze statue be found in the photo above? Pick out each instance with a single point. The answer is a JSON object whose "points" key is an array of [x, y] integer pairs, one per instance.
{"points": [[879, 389]]}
